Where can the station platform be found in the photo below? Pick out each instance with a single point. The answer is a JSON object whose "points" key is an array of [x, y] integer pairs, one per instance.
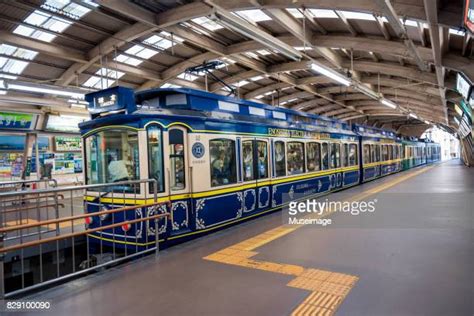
{"points": [[412, 256]]}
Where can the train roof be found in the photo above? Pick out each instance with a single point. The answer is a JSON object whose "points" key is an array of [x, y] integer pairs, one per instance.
{"points": [[185, 100]]}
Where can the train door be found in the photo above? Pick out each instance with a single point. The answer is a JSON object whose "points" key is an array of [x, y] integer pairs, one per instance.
{"points": [[178, 179], [255, 174], [335, 164], [262, 164]]}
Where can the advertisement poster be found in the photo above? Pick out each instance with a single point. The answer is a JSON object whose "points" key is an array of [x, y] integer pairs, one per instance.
{"points": [[68, 143]]}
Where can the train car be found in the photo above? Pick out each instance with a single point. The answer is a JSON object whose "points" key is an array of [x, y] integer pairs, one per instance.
{"points": [[433, 151], [380, 152], [216, 160], [414, 152]]}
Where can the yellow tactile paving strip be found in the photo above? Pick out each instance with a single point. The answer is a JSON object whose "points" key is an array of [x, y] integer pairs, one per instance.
{"points": [[327, 289]]}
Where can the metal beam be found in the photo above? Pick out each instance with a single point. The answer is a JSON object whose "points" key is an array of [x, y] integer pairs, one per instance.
{"points": [[386, 7]]}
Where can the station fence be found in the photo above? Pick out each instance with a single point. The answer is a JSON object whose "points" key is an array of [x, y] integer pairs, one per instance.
{"points": [[44, 231]]}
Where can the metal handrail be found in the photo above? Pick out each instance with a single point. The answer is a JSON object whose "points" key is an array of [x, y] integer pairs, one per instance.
{"points": [[55, 182], [76, 234], [77, 187], [75, 217], [56, 196]]}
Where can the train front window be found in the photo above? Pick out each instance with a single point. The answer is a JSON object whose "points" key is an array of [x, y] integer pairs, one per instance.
{"points": [[112, 156]]}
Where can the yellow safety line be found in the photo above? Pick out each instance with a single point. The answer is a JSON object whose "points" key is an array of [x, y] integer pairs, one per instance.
{"points": [[327, 289]]}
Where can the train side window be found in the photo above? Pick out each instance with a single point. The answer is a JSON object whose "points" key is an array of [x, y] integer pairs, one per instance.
{"points": [[366, 153], [247, 160], [385, 152], [352, 154], [295, 163], [280, 159], [325, 156], [155, 157], [335, 155], [345, 155], [313, 156], [176, 156], [223, 169], [262, 159], [372, 152]]}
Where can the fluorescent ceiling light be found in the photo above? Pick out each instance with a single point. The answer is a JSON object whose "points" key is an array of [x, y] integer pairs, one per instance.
{"points": [[426, 122], [14, 86], [412, 115], [331, 74], [388, 103], [367, 91], [456, 120], [251, 31]]}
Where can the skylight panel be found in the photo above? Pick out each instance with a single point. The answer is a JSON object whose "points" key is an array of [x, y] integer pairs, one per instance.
{"points": [[170, 85], [17, 52], [295, 13], [188, 77], [253, 15], [44, 20], [410, 23], [172, 36], [104, 78], [241, 83], [14, 66], [37, 18], [128, 60], [140, 51], [263, 52], [252, 55], [159, 42], [207, 23], [66, 7], [256, 78], [320, 13], [357, 15], [8, 76]]}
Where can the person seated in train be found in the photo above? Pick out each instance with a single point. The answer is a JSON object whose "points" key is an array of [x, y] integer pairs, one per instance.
{"points": [[279, 152], [117, 170], [262, 165], [248, 162], [220, 174]]}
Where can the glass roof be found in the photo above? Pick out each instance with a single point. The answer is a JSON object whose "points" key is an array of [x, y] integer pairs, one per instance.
{"points": [[106, 77]]}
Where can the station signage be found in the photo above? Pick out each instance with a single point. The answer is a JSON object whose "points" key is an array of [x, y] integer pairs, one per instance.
{"points": [[17, 121], [293, 133]]}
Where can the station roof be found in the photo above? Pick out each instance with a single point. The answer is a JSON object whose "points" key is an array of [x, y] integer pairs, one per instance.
{"points": [[276, 52]]}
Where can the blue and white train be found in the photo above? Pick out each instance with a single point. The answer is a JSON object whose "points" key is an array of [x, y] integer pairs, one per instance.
{"points": [[217, 160]]}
